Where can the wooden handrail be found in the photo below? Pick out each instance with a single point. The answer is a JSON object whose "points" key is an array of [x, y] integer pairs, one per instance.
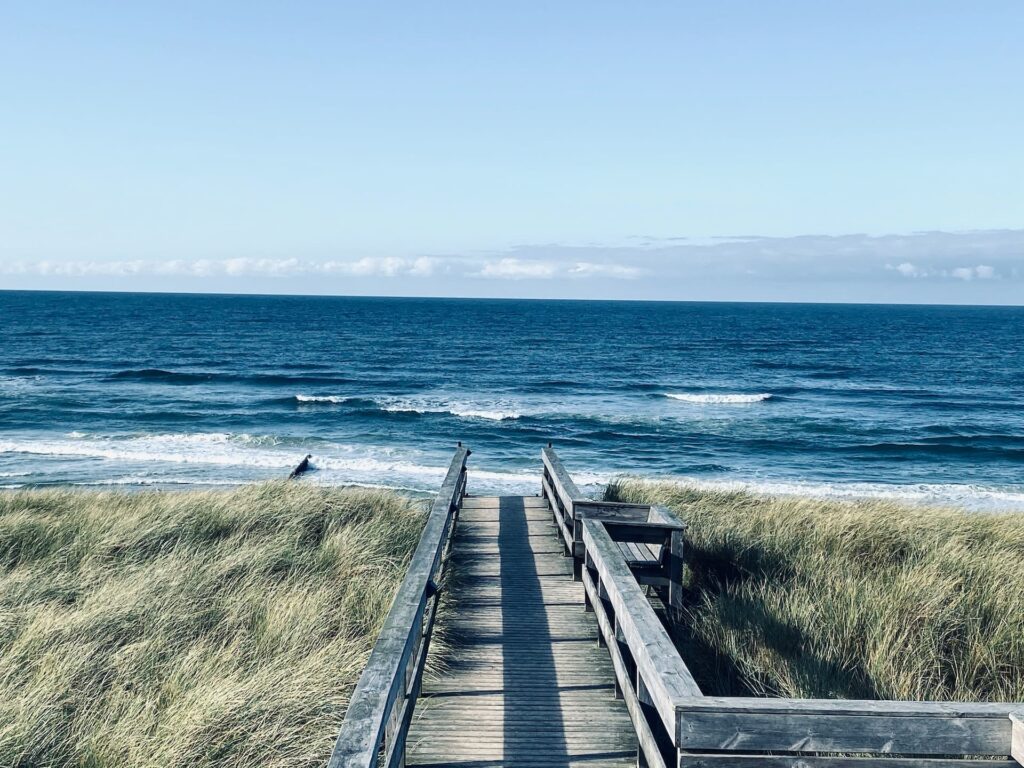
{"points": [[651, 676], [382, 703], [677, 725]]}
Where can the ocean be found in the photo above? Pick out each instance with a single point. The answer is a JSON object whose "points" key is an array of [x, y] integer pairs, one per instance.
{"points": [[920, 403]]}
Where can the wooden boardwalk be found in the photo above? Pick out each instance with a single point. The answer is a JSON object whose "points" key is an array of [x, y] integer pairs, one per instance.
{"points": [[528, 684]]}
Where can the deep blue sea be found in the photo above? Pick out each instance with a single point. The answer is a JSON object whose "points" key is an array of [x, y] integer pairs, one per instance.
{"points": [[921, 403]]}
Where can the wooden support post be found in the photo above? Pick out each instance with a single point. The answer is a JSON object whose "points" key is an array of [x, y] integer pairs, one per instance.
{"points": [[675, 575], [393, 732], [646, 705], [1017, 737], [620, 641]]}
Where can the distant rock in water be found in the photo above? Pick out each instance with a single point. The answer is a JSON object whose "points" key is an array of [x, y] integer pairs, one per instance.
{"points": [[302, 468]]}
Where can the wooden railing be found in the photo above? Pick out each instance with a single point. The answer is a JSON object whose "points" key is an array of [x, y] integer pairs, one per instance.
{"points": [[377, 721], [650, 538], [677, 725]]}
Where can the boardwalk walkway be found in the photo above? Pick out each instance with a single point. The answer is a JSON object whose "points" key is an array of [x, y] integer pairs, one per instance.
{"points": [[528, 684]]}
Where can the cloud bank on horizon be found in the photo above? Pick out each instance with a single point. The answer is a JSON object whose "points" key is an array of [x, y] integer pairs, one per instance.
{"points": [[966, 267]]}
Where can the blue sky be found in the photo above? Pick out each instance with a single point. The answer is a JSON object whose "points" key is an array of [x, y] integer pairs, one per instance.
{"points": [[728, 150]]}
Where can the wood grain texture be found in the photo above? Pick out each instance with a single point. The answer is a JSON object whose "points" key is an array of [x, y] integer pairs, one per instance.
{"points": [[658, 662], [733, 760], [526, 684], [1017, 736], [807, 732], [383, 685]]}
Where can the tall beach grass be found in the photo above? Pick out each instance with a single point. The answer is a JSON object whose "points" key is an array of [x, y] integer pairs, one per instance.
{"points": [[190, 629], [866, 599]]}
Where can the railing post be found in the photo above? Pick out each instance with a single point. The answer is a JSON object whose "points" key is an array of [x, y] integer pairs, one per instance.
{"points": [[384, 699], [675, 575], [646, 704]]}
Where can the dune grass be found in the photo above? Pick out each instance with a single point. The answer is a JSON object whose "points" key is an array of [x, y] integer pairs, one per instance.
{"points": [[190, 629], [868, 599]]}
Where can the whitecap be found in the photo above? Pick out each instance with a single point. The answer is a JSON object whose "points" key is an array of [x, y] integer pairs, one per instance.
{"points": [[321, 399], [963, 495], [718, 399], [491, 412]]}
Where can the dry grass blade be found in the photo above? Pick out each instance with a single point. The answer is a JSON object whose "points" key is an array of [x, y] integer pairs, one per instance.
{"points": [[190, 629], [869, 599]]}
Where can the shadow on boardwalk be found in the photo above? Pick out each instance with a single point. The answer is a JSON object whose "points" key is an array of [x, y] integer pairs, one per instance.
{"points": [[525, 683]]}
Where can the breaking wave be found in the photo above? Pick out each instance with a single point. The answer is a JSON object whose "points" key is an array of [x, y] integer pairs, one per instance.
{"points": [[718, 399]]}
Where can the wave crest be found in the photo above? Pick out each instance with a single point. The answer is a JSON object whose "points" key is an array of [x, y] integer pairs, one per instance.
{"points": [[322, 399], [719, 399]]}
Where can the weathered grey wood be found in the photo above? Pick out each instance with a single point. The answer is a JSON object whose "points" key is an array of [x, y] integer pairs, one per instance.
{"points": [[756, 705], [675, 567], [658, 662], [624, 686], [1017, 736], [559, 515], [664, 516], [524, 683], [813, 732], [638, 532], [383, 681], [737, 760], [562, 484], [611, 510]]}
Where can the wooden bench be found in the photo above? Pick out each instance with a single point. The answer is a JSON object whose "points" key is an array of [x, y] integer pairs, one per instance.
{"points": [[649, 537]]}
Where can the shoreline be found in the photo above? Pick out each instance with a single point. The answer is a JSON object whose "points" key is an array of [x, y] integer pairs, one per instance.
{"points": [[963, 497]]}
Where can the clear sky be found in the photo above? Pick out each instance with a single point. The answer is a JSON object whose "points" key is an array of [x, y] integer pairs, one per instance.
{"points": [[715, 150]]}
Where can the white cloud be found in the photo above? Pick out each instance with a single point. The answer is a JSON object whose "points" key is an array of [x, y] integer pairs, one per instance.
{"points": [[591, 269], [907, 269], [980, 272], [523, 269], [518, 269], [235, 267], [928, 264], [984, 272]]}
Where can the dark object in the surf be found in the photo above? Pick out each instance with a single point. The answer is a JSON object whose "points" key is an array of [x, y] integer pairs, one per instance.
{"points": [[303, 467]]}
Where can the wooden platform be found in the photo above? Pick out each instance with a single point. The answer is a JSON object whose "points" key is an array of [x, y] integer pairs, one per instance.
{"points": [[528, 684]]}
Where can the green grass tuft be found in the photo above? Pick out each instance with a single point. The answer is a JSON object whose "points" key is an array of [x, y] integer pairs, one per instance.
{"points": [[869, 599], [190, 629]]}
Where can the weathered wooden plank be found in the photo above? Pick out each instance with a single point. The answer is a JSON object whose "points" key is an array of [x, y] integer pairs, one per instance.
{"points": [[1017, 736], [383, 679], [524, 684], [665, 516], [638, 532], [559, 515], [751, 704], [611, 510], [813, 732], [658, 662], [737, 760], [624, 684], [561, 482]]}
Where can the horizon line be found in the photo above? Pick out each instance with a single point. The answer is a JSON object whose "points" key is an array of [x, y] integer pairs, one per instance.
{"points": [[246, 294]]}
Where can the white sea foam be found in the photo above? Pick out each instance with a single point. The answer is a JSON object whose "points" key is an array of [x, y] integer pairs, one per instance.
{"points": [[201, 448], [495, 412], [966, 496], [322, 399], [718, 399], [221, 458]]}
